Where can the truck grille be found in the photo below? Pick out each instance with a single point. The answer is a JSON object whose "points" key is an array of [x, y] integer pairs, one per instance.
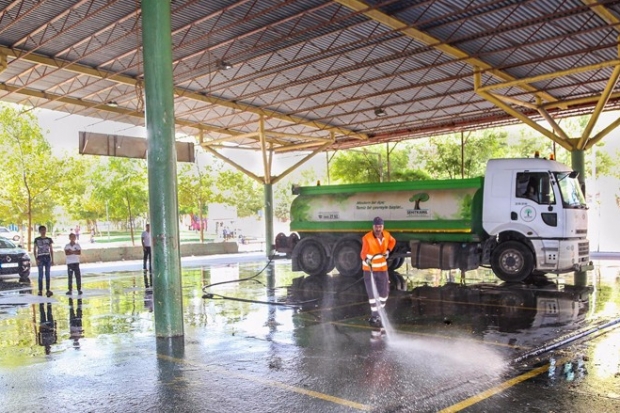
{"points": [[584, 248]]}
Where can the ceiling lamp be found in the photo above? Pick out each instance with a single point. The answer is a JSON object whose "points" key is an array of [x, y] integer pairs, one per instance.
{"points": [[380, 112], [112, 104], [224, 65]]}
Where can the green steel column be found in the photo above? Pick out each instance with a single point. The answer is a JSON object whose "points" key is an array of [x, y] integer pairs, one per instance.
{"points": [[268, 189], [577, 157], [163, 204]]}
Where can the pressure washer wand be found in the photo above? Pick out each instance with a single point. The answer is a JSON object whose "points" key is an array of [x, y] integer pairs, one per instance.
{"points": [[374, 287]]}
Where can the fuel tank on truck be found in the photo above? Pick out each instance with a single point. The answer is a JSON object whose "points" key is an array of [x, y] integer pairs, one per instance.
{"points": [[433, 211]]}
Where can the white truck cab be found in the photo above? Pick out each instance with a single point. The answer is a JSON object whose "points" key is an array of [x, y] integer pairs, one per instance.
{"points": [[537, 203]]}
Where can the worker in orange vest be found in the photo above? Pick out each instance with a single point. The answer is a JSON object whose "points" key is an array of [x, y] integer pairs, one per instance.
{"points": [[376, 248]]}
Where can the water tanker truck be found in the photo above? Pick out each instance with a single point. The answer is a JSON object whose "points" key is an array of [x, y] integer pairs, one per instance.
{"points": [[524, 217]]}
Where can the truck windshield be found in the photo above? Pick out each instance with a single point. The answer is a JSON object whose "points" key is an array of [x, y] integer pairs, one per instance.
{"points": [[572, 197]]}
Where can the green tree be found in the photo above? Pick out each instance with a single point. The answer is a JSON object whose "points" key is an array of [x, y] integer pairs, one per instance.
{"points": [[283, 195], [410, 175], [196, 188], [76, 191], [442, 158], [368, 164], [30, 172], [240, 191], [121, 184]]}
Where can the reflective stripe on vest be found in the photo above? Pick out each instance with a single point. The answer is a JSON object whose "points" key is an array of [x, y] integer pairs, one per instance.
{"points": [[379, 263]]}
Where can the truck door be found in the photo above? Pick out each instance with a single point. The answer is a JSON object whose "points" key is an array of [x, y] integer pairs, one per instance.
{"points": [[535, 205]]}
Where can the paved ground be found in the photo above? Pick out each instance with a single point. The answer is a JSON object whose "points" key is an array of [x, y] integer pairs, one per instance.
{"points": [[455, 345]]}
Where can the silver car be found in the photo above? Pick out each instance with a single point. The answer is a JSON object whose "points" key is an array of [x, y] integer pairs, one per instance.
{"points": [[7, 233]]}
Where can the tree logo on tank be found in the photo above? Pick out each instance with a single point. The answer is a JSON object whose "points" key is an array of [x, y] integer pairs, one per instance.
{"points": [[417, 211], [527, 214]]}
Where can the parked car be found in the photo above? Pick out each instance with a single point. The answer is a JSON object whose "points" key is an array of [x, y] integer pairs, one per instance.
{"points": [[14, 260], [7, 233]]}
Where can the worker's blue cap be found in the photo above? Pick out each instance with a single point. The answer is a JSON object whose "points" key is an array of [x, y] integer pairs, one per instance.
{"points": [[377, 221]]}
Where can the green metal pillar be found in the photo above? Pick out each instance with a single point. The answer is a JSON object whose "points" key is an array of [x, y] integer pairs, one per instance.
{"points": [[578, 164], [269, 239], [162, 174]]}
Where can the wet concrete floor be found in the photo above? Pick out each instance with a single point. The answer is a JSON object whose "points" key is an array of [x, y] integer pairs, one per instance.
{"points": [[471, 345]]}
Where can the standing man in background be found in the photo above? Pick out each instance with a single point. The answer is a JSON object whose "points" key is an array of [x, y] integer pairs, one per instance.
{"points": [[146, 247], [44, 256], [72, 253], [376, 247]]}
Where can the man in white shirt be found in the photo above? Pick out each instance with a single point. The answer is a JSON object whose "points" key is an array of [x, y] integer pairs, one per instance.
{"points": [[146, 247], [72, 253]]}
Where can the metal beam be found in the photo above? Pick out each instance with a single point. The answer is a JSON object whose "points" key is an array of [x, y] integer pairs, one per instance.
{"points": [[591, 142], [263, 149], [515, 113], [103, 107], [600, 105], [250, 135], [577, 101], [307, 145], [425, 38], [603, 13], [294, 136], [302, 161], [556, 127], [234, 164], [525, 119], [547, 76], [181, 92], [515, 101]]}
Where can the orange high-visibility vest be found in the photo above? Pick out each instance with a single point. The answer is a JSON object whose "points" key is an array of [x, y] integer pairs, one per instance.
{"points": [[372, 247]]}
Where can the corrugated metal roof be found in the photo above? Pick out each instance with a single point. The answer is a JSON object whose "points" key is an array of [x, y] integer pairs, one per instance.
{"points": [[316, 60]]}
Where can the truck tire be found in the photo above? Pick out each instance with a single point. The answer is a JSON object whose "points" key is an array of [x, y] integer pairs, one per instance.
{"points": [[397, 282], [347, 256], [312, 257], [395, 263], [512, 261]]}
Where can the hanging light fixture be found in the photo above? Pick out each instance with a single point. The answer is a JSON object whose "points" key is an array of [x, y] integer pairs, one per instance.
{"points": [[380, 112], [224, 65]]}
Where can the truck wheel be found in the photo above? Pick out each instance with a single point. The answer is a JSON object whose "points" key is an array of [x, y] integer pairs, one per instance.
{"points": [[512, 261], [396, 263], [312, 257], [347, 256], [397, 282]]}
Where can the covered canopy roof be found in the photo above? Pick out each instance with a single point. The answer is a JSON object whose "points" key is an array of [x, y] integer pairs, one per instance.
{"points": [[322, 74]]}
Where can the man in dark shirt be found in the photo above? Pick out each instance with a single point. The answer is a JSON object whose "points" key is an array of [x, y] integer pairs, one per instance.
{"points": [[44, 257]]}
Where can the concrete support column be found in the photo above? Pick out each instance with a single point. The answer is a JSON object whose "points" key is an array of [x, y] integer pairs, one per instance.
{"points": [[578, 164], [269, 237], [162, 174]]}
